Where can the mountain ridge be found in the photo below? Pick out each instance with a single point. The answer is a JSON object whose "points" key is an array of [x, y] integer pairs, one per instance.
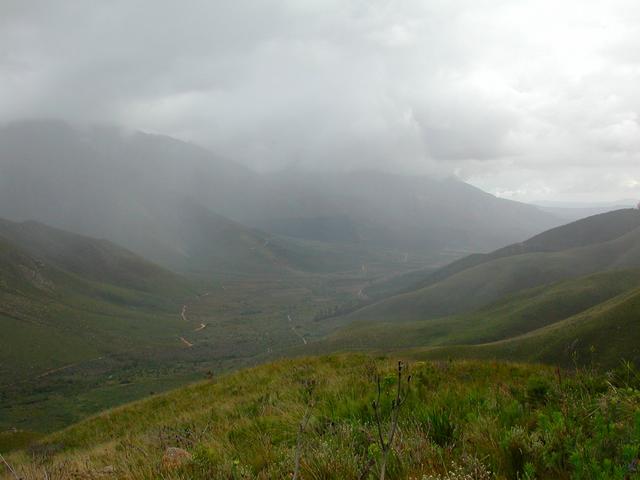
{"points": [[102, 182]]}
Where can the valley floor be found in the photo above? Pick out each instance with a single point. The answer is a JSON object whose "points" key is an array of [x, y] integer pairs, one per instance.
{"points": [[234, 322]]}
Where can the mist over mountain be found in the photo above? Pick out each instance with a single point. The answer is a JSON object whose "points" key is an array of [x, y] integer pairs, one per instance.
{"points": [[574, 211], [413, 213], [156, 196]]}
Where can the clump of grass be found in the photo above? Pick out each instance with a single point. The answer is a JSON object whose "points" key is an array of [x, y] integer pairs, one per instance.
{"points": [[439, 425]]}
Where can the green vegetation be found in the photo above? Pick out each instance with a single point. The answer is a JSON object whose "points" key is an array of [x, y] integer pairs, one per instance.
{"points": [[52, 317], [528, 302], [486, 283], [601, 336], [477, 420], [588, 231], [88, 325], [514, 315], [564, 296], [89, 258], [479, 280]]}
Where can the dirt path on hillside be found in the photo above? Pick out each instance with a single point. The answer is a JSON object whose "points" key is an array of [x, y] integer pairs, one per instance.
{"points": [[183, 315], [65, 367], [304, 340]]}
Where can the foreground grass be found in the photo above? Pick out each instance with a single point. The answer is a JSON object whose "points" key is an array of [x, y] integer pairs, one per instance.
{"points": [[462, 419]]}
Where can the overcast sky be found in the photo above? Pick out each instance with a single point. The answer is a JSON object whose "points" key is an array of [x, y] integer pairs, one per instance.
{"points": [[531, 100]]}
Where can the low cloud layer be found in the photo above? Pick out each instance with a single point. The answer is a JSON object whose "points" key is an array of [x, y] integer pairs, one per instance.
{"points": [[531, 100]]}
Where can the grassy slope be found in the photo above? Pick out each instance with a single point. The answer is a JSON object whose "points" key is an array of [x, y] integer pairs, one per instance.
{"points": [[52, 330], [52, 317], [604, 335], [486, 283], [588, 231], [508, 417], [89, 258], [514, 315]]}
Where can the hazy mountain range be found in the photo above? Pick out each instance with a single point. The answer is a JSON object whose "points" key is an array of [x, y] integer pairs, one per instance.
{"points": [[186, 208]]}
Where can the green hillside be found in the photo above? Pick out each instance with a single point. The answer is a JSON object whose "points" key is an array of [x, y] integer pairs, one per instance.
{"points": [[459, 420], [488, 282], [603, 335], [89, 258], [547, 305], [536, 301], [513, 315], [107, 300], [588, 231]]}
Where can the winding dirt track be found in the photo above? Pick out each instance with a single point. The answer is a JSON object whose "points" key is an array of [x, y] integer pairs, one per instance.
{"points": [[183, 315], [65, 367], [304, 340]]}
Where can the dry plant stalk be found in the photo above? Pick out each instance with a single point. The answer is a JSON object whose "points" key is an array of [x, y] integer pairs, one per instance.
{"points": [[11, 470], [309, 387], [396, 405]]}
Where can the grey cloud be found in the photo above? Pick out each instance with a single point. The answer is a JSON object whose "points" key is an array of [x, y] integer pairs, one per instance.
{"points": [[497, 92]]}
